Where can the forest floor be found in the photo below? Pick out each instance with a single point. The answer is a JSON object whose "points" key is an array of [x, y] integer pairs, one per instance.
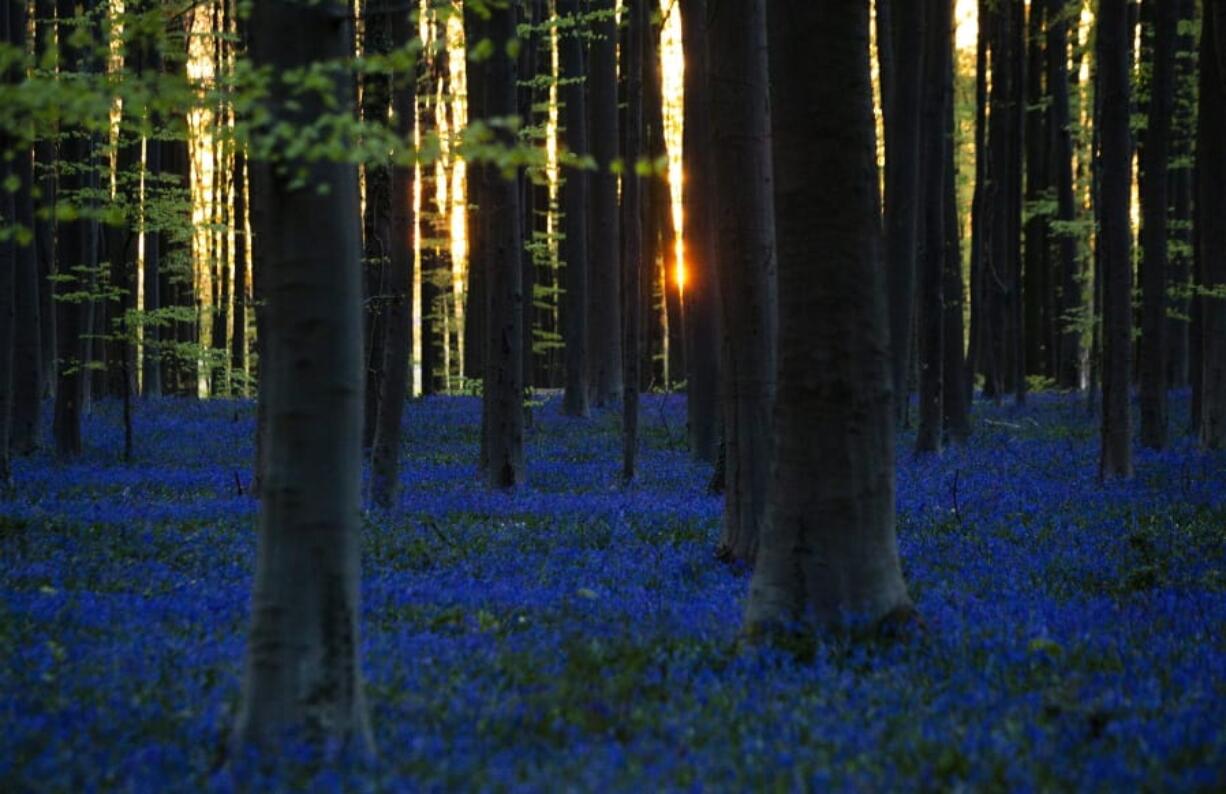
{"points": [[576, 635]]}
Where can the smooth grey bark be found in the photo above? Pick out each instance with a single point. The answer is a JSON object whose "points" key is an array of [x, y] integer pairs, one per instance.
{"points": [[745, 233], [604, 282], [701, 302], [503, 391], [1114, 240], [828, 548], [398, 344], [303, 674], [1154, 206], [902, 185], [632, 231], [575, 194], [1211, 231], [938, 31]]}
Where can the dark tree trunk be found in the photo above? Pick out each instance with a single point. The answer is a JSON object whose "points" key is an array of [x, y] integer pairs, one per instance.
{"points": [[502, 395], [954, 393], [1183, 136], [574, 246], [76, 249], [1154, 203], [242, 277], [980, 349], [1060, 161], [938, 31], [385, 456], [303, 671], [1114, 240], [1036, 273], [528, 180], [701, 285], [632, 230], [1016, 49], [1211, 164], [434, 231], [745, 232], [828, 546], [44, 223], [604, 283], [902, 170]]}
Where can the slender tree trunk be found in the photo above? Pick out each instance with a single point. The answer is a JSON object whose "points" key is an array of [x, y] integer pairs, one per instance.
{"points": [[701, 285], [1036, 264], [902, 186], [632, 230], [1154, 203], [745, 231], [44, 223], [502, 395], [604, 284], [434, 230], [828, 547], [1183, 136], [8, 255], [980, 348], [1060, 161], [1115, 238], [376, 96], [302, 666], [938, 30], [242, 277], [956, 412], [574, 245], [1211, 163]]}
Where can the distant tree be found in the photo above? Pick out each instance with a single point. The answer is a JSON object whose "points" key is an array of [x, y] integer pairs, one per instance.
{"points": [[828, 547], [701, 301], [745, 234], [1211, 199], [980, 346], [1060, 160], [632, 229], [1183, 138], [604, 346], [1038, 340], [1154, 207], [1114, 240], [575, 197], [398, 344], [303, 673], [954, 392]]}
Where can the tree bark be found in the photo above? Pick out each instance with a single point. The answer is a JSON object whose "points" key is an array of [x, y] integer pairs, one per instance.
{"points": [[1036, 262], [632, 231], [701, 286], [828, 546], [745, 232], [377, 235], [980, 348], [1211, 165], [302, 663], [575, 194], [1114, 240], [954, 393], [1154, 203], [1060, 161]]}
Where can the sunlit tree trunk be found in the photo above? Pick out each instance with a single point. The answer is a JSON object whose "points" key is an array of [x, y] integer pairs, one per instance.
{"points": [[574, 245], [302, 663], [701, 307], [828, 547], [954, 393], [398, 346], [1211, 164], [1154, 204], [938, 32], [1114, 239], [745, 233]]}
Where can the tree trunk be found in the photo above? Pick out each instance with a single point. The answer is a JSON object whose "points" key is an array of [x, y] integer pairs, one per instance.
{"points": [[398, 347], [902, 170], [1114, 240], [979, 349], [745, 229], [1211, 164], [1154, 203], [302, 667], [1036, 264], [604, 284], [502, 395], [377, 235], [574, 245], [954, 393], [938, 31], [701, 285], [828, 547], [1060, 161], [632, 229], [1179, 225]]}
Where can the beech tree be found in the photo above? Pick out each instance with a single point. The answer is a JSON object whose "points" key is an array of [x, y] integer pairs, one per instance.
{"points": [[302, 667], [1114, 237], [1211, 231], [632, 230], [745, 234], [575, 194], [828, 547], [1060, 161]]}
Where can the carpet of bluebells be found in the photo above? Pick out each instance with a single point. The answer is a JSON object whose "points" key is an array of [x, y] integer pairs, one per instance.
{"points": [[579, 635]]}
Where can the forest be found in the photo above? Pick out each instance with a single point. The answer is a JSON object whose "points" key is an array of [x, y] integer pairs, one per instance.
{"points": [[612, 395]]}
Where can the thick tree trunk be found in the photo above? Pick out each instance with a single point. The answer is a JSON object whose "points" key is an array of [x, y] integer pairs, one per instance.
{"points": [[1036, 264], [1183, 136], [377, 234], [828, 547], [574, 245], [302, 667], [938, 31], [1211, 164], [398, 347], [632, 230], [902, 186], [701, 285], [1060, 161], [1114, 240], [604, 282], [745, 231], [502, 395], [1154, 203]]}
